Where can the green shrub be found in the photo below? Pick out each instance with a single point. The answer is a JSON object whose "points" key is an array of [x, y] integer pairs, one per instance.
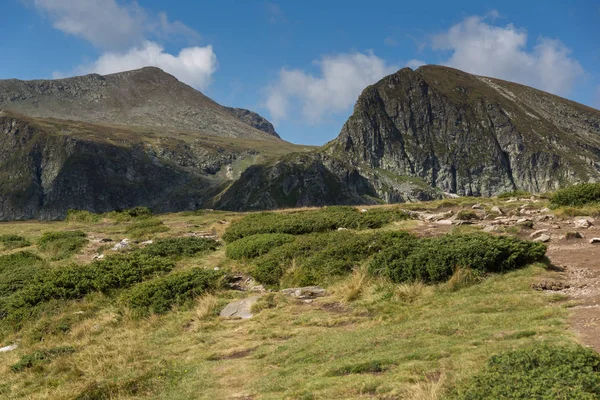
{"points": [[82, 216], [61, 245], [466, 215], [371, 367], [180, 247], [303, 222], [318, 258], [537, 372], [577, 196], [515, 193], [130, 214], [256, 245], [11, 242], [17, 270], [159, 295], [146, 228], [435, 259], [40, 357]]}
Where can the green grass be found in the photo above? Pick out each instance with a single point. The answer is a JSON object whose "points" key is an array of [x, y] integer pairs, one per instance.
{"points": [[40, 357], [11, 242], [146, 228], [370, 337], [61, 245]]}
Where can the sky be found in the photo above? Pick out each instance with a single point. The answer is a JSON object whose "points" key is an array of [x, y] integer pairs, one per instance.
{"points": [[303, 64]]}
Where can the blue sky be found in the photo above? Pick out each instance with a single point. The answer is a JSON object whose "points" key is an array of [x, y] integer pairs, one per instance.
{"points": [[302, 64]]}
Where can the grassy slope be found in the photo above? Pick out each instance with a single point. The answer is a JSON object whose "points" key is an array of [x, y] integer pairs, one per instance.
{"points": [[423, 339]]}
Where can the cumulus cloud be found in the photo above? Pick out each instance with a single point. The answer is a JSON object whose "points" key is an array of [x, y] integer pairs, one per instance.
{"points": [[501, 51], [128, 35], [342, 78], [193, 65]]}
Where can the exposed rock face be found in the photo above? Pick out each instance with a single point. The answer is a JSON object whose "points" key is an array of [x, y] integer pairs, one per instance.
{"points": [[48, 167], [317, 179], [146, 97], [471, 135], [254, 120]]}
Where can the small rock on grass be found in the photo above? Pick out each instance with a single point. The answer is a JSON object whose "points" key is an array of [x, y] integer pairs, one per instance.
{"points": [[308, 292], [6, 349], [536, 233], [240, 308]]}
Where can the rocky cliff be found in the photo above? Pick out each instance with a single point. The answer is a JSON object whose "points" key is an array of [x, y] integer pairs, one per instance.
{"points": [[471, 135]]}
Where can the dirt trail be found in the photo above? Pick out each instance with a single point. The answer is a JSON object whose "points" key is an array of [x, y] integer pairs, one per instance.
{"points": [[581, 263]]}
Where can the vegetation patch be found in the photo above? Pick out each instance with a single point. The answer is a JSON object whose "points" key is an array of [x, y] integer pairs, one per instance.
{"points": [[17, 270], [257, 245], [515, 194], [82, 216], [41, 357], [180, 247], [577, 196], [130, 214], [466, 215], [159, 295], [11, 242], [146, 228], [61, 245], [436, 259], [303, 222], [536, 372], [319, 258], [371, 367]]}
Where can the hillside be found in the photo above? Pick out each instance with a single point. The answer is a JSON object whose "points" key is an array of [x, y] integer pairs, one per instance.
{"points": [[418, 134], [414, 302], [147, 97]]}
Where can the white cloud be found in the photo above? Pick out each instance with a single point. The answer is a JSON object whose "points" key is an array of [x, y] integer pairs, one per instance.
{"points": [[128, 34], [390, 41], [342, 78], [110, 25], [414, 63], [193, 65], [501, 52]]}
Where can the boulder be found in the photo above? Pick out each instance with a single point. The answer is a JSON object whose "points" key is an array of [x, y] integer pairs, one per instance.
{"points": [[477, 207], [594, 240], [240, 308], [122, 245], [542, 238], [539, 232], [497, 209], [307, 292], [583, 223]]}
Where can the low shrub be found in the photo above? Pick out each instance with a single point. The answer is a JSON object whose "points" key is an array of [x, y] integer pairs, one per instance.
{"points": [[257, 245], [17, 270], [130, 214], [303, 222], [180, 247], [577, 195], [514, 193], [159, 295], [436, 259], [146, 228], [466, 215], [82, 216], [61, 245], [11, 242], [319, 258], [371, 367], [40, 357], [536, 372]]}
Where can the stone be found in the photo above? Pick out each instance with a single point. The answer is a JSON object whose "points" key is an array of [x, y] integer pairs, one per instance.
{"points": [[498, 210], [364, 210], [6, 349], [342, 229], [258, 288], [511, 200], [539, 232], [555, 226], [307, 292], [574, 235], [545, 210], [240, 308], [98, 257], [490, 229], [583, 224], [444, 222], [477, 207], [542, 238], [594, 240], [451, 195], [122, 245], [147, 242]]}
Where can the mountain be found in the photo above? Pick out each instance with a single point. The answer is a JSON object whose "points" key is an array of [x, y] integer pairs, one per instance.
{"points": [[137, 138], [142, 138], [417, 134], [147, 97]]}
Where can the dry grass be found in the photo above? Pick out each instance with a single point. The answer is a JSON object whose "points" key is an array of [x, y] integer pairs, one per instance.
{"points": [[206, 307], [431, 389], [352, 288]]}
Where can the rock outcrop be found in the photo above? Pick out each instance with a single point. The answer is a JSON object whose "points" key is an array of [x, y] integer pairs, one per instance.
{"points": [[471, 135]]}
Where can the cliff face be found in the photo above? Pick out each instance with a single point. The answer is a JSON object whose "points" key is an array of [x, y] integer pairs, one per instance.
{"points": [[48, 167], [471, 135]]}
